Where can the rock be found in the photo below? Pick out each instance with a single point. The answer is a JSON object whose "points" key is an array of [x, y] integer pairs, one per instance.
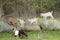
{"points": [[4, 26], [50, 25]]}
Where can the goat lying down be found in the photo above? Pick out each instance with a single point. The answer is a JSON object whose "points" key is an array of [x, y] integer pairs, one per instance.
{"points": [[48, 14], [19, 33], [32, 20], [12, 21], [22, 22]]}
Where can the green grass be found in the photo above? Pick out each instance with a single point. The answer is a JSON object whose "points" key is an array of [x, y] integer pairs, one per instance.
{"points": [[43, 35]]}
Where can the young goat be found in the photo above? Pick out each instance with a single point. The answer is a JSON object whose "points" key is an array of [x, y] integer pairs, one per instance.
{"points": [[48, 14], [19, 33]]}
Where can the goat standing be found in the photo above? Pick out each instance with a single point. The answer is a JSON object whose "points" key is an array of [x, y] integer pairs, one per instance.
{"points": [[19, 33], [48, 14]]}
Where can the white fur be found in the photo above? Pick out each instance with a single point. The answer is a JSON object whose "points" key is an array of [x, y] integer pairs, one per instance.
{"points": [[45, 15], [16, 32], [32, 20], [21, 22]]}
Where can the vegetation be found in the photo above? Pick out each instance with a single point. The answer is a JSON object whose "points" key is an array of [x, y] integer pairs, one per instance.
{"points": [[43, 35], [20, 7]]}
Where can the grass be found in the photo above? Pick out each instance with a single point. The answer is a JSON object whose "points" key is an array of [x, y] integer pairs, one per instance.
{"points": [[43, 35]]}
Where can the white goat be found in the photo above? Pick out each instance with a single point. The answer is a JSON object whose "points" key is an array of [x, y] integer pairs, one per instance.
{"points": [[48, 14], [22, 22], [32, 20]]}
